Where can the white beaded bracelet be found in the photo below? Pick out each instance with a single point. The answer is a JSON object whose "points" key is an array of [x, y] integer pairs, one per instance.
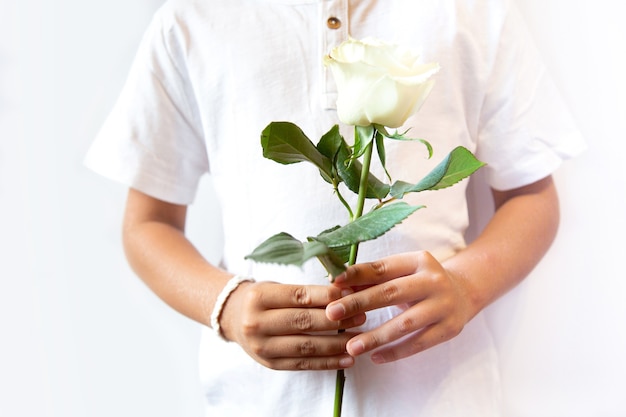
{"points": [[230, 286]]}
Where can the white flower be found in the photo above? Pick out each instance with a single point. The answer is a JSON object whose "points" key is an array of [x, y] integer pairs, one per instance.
{"points": [[378, 83]]}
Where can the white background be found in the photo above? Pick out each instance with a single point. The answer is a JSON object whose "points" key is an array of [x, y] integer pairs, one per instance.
{"points": [[81, 336]]}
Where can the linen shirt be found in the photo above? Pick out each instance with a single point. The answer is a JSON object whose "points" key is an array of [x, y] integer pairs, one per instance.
{"points": [[211, 74]]}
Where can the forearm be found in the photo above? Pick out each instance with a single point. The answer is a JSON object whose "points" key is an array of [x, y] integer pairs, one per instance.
{"points": [[519, 234], [168, 263]]}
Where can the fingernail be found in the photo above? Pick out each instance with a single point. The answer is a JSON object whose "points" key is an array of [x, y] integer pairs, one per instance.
{"points": [[346, 362], [377, 358], [356, 347], [340, 277], [336, 311]]}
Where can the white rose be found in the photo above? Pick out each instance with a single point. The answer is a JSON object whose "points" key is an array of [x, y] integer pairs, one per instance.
{"points": [[378, 83]]}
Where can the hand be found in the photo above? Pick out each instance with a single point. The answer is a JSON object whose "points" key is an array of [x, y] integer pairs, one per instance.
{"points": [[436, 304], [278, 325]]}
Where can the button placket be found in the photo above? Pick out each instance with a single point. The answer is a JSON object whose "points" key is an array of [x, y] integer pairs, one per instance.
{"points": [[333, 29]]}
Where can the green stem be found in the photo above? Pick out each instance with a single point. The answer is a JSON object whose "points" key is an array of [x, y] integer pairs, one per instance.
{"points": [[343, 201], [339, 383], [367, 159], [382, 203]]}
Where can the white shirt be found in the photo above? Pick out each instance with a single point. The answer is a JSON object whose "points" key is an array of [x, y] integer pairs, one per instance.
{"points": [[210, 75]]}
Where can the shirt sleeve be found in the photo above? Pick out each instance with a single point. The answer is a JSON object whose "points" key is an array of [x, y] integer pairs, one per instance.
{"points": [[152, 140], [525, 129]]}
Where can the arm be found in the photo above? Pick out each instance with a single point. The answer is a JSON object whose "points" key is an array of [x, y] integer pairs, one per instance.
{"points": [[443, 297], [274, 323]]}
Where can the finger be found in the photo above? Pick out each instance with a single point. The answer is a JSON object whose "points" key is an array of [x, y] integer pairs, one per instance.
{"points": [[416, 343], [272, 295], [302, 320], [409, 289], [304, 346], [415, 320], [385, 269], [311, 364]]}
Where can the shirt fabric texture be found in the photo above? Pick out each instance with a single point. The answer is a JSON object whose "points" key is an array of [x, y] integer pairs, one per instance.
{"points": [[211, 74]]}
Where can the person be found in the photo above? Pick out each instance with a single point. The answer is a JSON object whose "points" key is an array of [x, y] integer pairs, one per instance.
{"points": [[210, 75]]}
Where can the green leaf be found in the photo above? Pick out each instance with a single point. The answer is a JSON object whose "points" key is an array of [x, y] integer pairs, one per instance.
{"points": [[456, 166], [402, 136], [382, 154], [333, 146], [284, 249], [333, 260], [330, 143], [383, 130], [350, 173], [363, 136], [286, 143], [343, 252], [332, 264], [370, 226]]}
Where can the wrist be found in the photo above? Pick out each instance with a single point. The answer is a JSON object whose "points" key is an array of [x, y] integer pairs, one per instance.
{"points": [[470, 292], [221, 319]]}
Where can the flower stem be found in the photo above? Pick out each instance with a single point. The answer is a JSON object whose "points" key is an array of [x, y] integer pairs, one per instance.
{"points": [[367, 159], [339, 383], [365, 170]]}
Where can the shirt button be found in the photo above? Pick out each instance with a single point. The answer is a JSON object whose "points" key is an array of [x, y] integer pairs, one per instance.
{"points": [[333, 23]]}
